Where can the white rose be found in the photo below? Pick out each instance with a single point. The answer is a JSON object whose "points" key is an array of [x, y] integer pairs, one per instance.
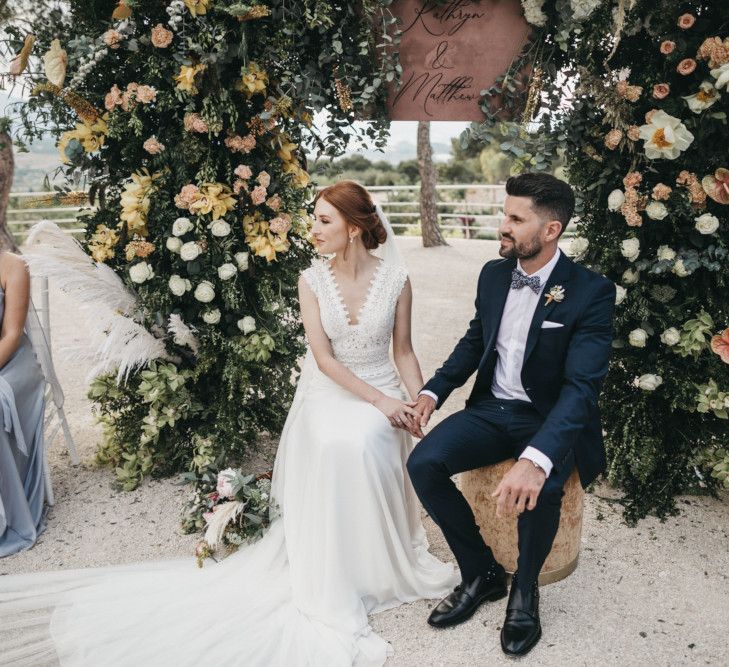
{"points": [[656, 210], [707, 223], [205, 292], [630, 276], [680, 269], [173, 244], [637, 337], [671, 336], [220, 228], [630, 249], [620, 294], [181, 226], [212, 316], [227, 271], [648, 382], [666, 252], [190, 251], [578, 247], [615, 200], [224, 486], [140, 272], [247, 324], [241, 259], [178, 286]]}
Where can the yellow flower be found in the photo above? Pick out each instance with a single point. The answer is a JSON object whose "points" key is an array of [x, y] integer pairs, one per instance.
{"points": [[197, 7], [102, 242], [121, 12], [186, 78], [214, 198], [260, 239], [135, 202], [286, 151], [254, 80], [91, 136], [300, 177]]}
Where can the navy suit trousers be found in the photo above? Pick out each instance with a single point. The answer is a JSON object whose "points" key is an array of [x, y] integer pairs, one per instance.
{"points": [[487, 431]]}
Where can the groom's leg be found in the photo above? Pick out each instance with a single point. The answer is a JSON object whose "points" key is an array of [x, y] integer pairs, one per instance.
{"points": [[471, 438], [538, 527]]}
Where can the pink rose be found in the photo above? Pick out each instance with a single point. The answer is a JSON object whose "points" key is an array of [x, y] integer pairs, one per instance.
{"points": [[258, 195], [661, 90], [264, 179], [667, 47], [146, 94], [279, 225], [243, 171], [113, 38], [161, 37], [153, 146], [274, 203], [685, 21], [686, 66], [113, 97], [225, 483]]}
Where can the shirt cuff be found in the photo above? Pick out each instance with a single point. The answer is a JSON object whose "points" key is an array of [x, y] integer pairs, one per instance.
{"points": [[425, 392], [535, 456]]}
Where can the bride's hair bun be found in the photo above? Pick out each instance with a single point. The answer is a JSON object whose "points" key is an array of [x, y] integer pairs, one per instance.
{"points": [[357, 208]]}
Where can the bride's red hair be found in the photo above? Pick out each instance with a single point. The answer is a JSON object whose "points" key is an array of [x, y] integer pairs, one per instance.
{"points": [[357, 208]]}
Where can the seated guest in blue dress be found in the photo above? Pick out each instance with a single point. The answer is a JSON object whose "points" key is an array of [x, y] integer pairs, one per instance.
{"points": [[22, 495]]}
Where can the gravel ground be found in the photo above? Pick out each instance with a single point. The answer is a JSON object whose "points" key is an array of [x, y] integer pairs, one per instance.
{"points": [[656, 593]]}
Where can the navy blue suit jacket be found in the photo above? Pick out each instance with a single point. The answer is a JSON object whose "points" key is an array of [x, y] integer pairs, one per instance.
{"points": [[563, 367]]}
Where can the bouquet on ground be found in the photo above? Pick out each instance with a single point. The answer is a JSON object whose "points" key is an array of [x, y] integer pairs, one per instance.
{"points": [[238, 511]]}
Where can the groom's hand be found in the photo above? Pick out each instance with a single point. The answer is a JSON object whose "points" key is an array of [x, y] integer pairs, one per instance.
{"points": [[424, 406], [519, 488]]}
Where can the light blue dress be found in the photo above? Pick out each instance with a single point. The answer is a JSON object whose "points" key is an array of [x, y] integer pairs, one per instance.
{"points": [[22, 494]]}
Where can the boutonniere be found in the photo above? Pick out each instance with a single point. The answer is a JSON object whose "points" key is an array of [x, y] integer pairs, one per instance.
{"points": [[555, 294]]}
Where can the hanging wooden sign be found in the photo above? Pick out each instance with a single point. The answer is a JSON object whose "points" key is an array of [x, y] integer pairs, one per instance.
{"points": [[450, 52]]}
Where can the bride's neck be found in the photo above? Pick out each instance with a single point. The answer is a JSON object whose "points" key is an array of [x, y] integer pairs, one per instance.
{"points": [[358, 260]]}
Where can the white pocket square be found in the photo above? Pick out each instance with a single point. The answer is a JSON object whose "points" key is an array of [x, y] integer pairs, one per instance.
{"points": [[551, 325]]}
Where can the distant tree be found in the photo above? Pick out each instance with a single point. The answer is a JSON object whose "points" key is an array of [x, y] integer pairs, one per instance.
{"points": [[431, 233], [409, 170]]}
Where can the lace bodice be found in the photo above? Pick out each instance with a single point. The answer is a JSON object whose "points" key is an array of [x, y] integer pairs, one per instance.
{"points": [[363, 347]]}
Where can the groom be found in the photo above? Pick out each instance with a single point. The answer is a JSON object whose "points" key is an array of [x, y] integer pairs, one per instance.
{"points": [[539, 343]]}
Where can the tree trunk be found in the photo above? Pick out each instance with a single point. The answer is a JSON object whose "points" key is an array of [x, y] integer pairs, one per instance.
{"points": [[428, 209], [7, 167]]}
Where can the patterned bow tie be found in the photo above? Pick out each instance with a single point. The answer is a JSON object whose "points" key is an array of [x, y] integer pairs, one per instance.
{"points": [[519, 280]]}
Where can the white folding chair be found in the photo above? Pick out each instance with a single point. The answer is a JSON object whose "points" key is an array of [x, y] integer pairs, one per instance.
{"points": [[54, 417]]}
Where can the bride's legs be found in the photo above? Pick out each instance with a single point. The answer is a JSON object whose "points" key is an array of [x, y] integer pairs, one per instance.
{"points": [[466, 440]]}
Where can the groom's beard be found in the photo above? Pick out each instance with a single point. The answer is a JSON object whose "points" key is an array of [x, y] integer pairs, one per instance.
{"points": [[521, 250]]}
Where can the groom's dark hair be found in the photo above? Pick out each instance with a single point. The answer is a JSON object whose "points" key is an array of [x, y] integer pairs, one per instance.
{"points": [[552, 198]]}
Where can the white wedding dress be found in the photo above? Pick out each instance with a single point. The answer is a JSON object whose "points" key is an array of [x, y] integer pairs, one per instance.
{"points": [[349, 542]]}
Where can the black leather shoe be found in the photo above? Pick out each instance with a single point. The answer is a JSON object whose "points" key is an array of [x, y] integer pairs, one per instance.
{"points": [[522, 629], [463, 602]]}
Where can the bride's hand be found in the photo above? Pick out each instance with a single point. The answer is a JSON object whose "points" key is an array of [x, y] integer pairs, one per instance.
{"points": [[400, 413]]}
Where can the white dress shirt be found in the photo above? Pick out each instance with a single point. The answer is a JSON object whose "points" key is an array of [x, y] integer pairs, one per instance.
{"points": [[511, 345]]}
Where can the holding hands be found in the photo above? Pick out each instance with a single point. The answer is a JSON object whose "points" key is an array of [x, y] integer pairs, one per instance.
{"points": [[401, 414]]}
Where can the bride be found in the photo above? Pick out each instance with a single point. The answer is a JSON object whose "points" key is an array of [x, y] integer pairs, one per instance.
{"points": [[349, 541]]}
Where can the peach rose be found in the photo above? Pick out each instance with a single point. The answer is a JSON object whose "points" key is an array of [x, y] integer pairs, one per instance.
{"points": [[612, 138], [661, 90], [113, 39], [632, 179], [258, 195], [239, 186], [187, 196], [153, 146], [686, 66], [685, 21], [113, 98], [274, 203], [661, 192], [243, 171], [633, 133], [667, 47], [161, 37], [264, 179], [279, 225], [146, 94]]}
